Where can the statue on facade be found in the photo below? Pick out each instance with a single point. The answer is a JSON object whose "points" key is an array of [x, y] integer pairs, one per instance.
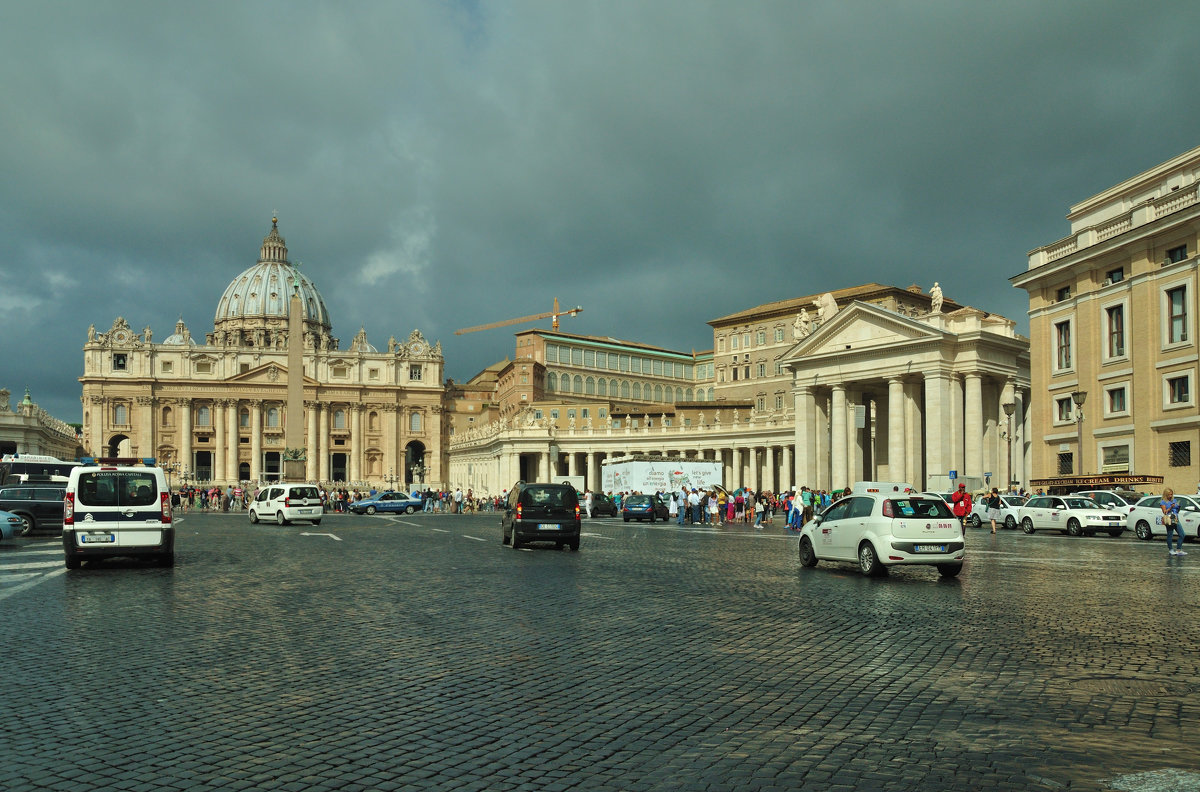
{"points": [[803, 324], [91, 332], [936, 293], [147, 334], [826, 307]]}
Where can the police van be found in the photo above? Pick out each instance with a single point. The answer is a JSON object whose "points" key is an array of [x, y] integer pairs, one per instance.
{"points": [[118, 507]]}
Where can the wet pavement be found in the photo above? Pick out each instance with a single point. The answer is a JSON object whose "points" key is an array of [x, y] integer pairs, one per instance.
{"points": [[416, 652]]}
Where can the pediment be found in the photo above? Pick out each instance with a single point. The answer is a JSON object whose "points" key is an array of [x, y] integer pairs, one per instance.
{"points": [[860, 327], [266, 374]]}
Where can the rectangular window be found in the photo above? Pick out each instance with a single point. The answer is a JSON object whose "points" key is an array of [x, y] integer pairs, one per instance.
{"points": [[601, 360], [1062, 294], [576, 357], [1116, 331], [583, 413], [1178, 390], [204, 367], [243, 368], [571, 413], [779, 401], [1117, 275], [589, 358], [746, 372], [537, 414], [1062, 345], [414, 373], [762, 369], [624, 362], [1066, 463], [778, 334], [746, 340], [761, 337], [1062, 409], [602, 412], [551, 353], [554, 414], [636, 365], [658, 367], [760, 404], [1176, 254], [340, 371], [735, 373], [733, 342], [167, 366], [1177, 318], [721, 344], [1179, 454], [373, 374], [1116, 400], [118, 361]]}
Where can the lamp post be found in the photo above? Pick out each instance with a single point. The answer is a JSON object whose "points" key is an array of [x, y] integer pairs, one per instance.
{"points": [[1009, 409], [1079, 397]]}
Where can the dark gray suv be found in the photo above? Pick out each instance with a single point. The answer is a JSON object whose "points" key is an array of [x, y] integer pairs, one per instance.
{"points": [[541, 513], [39, 505]]}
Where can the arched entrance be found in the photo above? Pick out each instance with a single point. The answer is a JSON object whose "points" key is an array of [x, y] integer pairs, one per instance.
{"points": [[414, 464], [119, 446]]}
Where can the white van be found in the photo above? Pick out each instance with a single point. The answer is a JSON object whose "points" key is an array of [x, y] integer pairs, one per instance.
{"points": [[283, 503], [117, 508]]}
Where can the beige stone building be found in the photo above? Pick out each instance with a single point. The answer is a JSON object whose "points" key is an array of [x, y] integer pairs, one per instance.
{"points": [[217, 411], [28, 429], [567, 403], [1112, 312]]}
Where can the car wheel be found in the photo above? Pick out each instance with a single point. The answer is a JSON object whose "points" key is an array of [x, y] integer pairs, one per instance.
{"points": [[73, 562], [574, 545], [166, 560], [279, 519], [370, 510], [316, 522], [868, 561], [27, 524], [975, 521], [516, 543], [409, 509], [1010, 522], [808, 556], [1027, 525], [1143, 531], [1073, 528], [253, 517], [949, 570]]}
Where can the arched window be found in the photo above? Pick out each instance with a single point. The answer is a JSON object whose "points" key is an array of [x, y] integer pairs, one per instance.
{"points": [[273, 416], [414, 422], [589, 386], [602, 389], [203, 416], [244, 418], [690, 394], [612, 387], [637, 390], [710, 393], [373, 421], [578, 383], [120, 414], [624, 389], [166, 416], [678, 394], [658, 393], [551, 381], [339, 419]]}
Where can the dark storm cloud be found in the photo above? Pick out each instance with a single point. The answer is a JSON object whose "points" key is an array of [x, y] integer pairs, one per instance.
{"points": [[440, 165]]}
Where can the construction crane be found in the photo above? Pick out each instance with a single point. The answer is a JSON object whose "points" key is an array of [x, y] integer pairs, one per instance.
{"points": [[555, 313]]}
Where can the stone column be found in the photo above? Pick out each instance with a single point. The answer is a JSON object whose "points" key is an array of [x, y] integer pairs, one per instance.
{"points": [[146, 429], [854, 437], [256, 440], [806, 437], [735, 468], [895, 436], [356, 437], [232, 446], [937, 424], [769, 477], [955, 429], [311, 471], [391, 428], [785, 469], [544, 471], [323, 441], [185, 435], [973, 425], [221, 435], [839, 455]]}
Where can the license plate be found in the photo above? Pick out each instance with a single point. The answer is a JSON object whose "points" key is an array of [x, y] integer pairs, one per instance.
{"points": [[930, 548], [98, 538], [308, 511], [549, 527]]}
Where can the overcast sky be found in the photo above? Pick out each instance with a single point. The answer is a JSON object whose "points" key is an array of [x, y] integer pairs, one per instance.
{"points": [[436, 165]]}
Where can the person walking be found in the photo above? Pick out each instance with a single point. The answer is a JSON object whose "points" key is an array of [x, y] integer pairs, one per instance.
{"points": [[1170, 520], [993, 507], [587, 501], [962, 504]]}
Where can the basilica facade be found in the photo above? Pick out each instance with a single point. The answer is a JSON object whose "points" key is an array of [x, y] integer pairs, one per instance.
{"points": [[216, 411]]}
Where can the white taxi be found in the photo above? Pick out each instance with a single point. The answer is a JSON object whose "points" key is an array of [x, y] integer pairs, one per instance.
{"points": [[1070, 514], [1145, 516], [878, 531]]}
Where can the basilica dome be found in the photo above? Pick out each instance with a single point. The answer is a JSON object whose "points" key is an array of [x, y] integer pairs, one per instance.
{"points": [[258, 299]]}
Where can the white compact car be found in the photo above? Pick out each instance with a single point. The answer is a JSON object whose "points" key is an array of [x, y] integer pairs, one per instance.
{"points": [[1145, 516], [1009, 506], [1070, 514], [117, 508], [880, 531], [283, 503]]}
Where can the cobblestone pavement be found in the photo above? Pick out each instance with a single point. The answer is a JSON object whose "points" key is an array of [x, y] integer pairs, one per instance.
{"points": [[416, 652]]}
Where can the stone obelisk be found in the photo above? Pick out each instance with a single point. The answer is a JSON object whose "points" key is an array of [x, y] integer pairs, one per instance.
{"points": [[293, 436]]}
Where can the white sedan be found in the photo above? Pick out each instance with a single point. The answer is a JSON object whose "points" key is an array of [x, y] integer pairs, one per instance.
{"points": [[1009, 506], [1145, 516], [1070, 514], [878, 531]]}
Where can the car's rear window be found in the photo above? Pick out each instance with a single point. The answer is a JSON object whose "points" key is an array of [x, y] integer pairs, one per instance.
{"points": [[638, 500], [117, 488], [550, 497], [305, 492], [919, 507]]}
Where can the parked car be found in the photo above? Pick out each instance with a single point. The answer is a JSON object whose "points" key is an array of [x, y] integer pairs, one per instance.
{"points": [[1145, 517], [541, 512], [603, 505], [1070, 514], [286, 502], [644, 507], [39, 505], [882, 530], [1009, 505], [389, 502], [117, 509], [1120, 500], [11, 525]]}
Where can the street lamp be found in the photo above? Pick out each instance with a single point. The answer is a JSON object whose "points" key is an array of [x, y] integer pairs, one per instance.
{"points": [[1009, 409], [1079, 397]]}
